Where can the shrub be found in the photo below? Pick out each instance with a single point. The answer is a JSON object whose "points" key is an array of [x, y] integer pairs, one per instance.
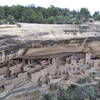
{"points": [[47, 97], [36, 94], [3, 21], [85, 80], [78, 93]]}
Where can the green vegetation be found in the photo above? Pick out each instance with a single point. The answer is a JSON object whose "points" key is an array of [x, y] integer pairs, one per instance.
{"points": [[47, 97], [84, 80], [36, 95], [11, 19], [51, 15], [78, 93], [75, 92]]}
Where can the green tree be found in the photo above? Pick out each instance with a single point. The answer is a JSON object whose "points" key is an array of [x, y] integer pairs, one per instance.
{"points": [[11, 19], [29, 15], [84, 15], [2, 13], [52, 11], [32, 14], [96, 15], [50, 20]]}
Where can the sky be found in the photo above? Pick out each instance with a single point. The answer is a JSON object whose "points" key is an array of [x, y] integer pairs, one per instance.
{"points": [[92, 5]]}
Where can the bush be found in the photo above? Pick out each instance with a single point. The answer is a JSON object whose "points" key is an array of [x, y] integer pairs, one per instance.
{"points": [[3, 21], [47, 97], [50, 20], [36, 95], [84, 81], [78, 93], [91, 20]]}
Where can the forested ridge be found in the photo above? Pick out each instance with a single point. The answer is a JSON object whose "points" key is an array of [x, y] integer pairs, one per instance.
{"points": [[51, 15]]}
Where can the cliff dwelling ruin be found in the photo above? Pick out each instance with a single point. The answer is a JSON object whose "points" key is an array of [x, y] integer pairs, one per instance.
{"points": [[54, 60]]}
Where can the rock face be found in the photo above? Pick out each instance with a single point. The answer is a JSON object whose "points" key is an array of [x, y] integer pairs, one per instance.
{"points": [[30, 35], [38, 62]]}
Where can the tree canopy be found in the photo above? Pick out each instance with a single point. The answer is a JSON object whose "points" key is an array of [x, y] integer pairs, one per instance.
{"points": [[52, 15]]}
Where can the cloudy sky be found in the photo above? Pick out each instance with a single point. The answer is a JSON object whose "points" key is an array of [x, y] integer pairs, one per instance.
{"points": [[92, 5]]}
